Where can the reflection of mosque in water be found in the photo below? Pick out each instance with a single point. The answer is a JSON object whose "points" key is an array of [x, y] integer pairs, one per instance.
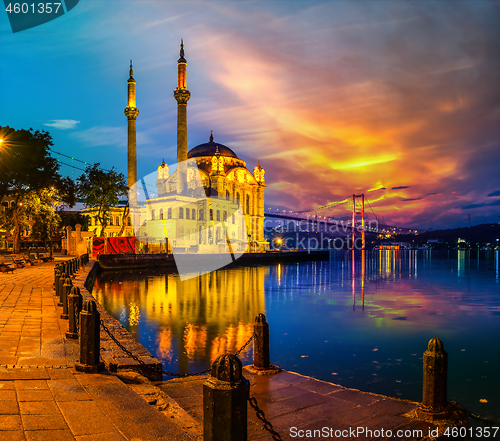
{"points": [[198, 318]]}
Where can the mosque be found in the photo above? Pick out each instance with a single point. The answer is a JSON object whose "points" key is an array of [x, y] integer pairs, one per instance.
{"points": [[210, 199]]}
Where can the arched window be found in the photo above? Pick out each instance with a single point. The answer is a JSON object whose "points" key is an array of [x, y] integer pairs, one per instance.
{"points": [[218, 215], [152, 215], [227, 195], [181, 213], [201, 214], [129, 222], [238, 196], [211, 214], [187, 213], [169, 213], [224, 216], [193, 214], [248, 204], [111, 219], [161, 213]]}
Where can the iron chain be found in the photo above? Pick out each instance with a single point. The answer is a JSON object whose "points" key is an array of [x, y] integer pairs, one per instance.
{"points": [[245, 345], [77, 317], [170, 374], [261, 416]]}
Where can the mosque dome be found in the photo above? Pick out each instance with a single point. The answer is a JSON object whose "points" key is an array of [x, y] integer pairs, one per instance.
{"points": [[210, 149]]}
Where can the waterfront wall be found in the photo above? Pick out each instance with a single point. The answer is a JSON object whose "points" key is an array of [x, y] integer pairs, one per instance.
{"points": [[130, 261]]}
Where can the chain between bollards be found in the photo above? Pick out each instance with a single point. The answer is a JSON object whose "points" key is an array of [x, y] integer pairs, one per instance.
{"points": [[261, 416], [170, 374]]}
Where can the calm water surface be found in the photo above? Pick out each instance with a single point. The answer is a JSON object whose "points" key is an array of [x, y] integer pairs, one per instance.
{"points": [[361, 320]]}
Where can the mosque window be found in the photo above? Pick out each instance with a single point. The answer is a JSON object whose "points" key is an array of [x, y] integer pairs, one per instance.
{"points": [[181, 213], [169, 213], [187, 213]]}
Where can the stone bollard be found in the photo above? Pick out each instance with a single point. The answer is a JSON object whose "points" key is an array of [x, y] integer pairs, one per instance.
{"points": [[64, 300], [90, 339], [225, 396], [435, 376], [261, 343], [74, 308]]}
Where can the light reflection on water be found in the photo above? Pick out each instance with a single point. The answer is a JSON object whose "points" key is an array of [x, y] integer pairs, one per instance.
{"points": [[359, 320]]}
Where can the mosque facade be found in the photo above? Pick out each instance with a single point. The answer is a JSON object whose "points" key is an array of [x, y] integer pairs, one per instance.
{"points": [[210, 199]]}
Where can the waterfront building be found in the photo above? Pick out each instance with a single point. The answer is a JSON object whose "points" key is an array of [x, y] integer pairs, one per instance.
{"points": [[211, 187]]}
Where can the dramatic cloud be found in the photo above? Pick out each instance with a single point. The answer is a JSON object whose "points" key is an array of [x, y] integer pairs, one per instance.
{"points": [[63, 124], [399, 101]]}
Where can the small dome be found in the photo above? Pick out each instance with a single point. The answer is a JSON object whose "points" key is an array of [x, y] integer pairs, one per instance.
{"points": [[209, 149]]}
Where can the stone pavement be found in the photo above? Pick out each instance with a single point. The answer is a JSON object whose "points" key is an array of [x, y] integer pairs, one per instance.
{"points": [[42, 396], [293, 400]]}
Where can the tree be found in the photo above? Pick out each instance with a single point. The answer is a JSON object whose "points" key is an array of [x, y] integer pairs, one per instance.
{"points": [[27, 169], [101, 190]]}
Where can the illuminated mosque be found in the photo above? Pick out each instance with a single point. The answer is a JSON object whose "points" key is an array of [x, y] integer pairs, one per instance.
{"points": [[182, 210]]}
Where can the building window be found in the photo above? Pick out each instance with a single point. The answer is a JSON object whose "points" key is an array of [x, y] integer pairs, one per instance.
{"points": [[111, 221], [238, 196], [117, 220], [224, 216], [201, 214], [129, 222], [193, 214], [232, 218], [169, 213], [187, 213], [218, 215], [211, 214], [181, 213], [152, 215], [161, 213], [227, 195], [248, 204]]}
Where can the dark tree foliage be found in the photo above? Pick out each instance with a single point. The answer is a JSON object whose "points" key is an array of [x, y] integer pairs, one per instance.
{"points": [[27, 169], [101, 190]]}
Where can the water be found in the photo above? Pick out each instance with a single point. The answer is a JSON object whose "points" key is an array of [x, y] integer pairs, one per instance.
{"points": [[362, 320]]}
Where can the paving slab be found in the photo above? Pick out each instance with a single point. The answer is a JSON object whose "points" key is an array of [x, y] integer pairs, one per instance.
{"points": [[42, 396]]}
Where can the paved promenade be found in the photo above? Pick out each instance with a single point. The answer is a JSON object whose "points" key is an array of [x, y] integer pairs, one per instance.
{"points": [[42, 396]]}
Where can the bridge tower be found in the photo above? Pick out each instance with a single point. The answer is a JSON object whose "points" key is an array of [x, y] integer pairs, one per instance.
{"points": [[362, 214]]}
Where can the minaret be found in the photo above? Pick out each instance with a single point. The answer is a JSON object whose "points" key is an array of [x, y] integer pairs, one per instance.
{"points": [[182, 96], [131, 112]]}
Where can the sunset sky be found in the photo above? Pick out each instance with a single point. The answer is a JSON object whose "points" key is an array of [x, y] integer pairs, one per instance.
{"points": [[399, 100]]}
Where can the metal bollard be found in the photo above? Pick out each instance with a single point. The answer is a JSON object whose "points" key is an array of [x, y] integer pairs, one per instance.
{"points": [[225, 396], [74, 308], [435, 376], [65, 292], [261, 343], [90, 339], [62, 279], [57, 276]]}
